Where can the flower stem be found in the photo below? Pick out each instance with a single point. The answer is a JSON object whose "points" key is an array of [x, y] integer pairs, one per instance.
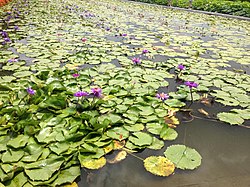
{"points": [[191, 93]]}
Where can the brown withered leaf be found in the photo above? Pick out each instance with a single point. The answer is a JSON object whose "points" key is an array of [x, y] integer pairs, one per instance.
{"points": [[171, 120], [202, 111], [119, 144], [119, 157]]}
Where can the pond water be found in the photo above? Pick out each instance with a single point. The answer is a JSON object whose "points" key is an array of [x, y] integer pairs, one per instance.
{"points": [[215, 52], [225, 160]]}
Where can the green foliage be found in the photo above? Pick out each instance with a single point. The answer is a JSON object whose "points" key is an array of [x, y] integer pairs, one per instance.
{"points": [[237, 8], [183, 157]]}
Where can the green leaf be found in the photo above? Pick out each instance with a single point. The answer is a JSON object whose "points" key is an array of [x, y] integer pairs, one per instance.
{"points": [[174, 103], [19, 141], [154, 128], [118, 133], [59, 147], [183, 157], [168, 133], [156, 144], [67, 176], [134, 127], [12, 156], [18, 181], [244, 114], [141, 139], [231, 118], [21, 74], [55, 86], [43, 169], [46, 135], [159, 165]]}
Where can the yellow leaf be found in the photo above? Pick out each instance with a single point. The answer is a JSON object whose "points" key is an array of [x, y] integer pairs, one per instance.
{"points": [[74, 184], [159, 165], [93, 163]]}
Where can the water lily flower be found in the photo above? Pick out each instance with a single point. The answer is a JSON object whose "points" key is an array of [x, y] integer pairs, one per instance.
{"points": [[162, 96], [181, 67], [4, 34], [136, 60], [97, 92], [124, 34], [84, 39], [16, 28], [145, 51], [13, 60], [191, 84], [31, 91], [81, 94], [7, 40], [75, 75]]}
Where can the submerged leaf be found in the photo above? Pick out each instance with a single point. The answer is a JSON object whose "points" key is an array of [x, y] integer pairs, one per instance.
{"points": [[119, 157]]}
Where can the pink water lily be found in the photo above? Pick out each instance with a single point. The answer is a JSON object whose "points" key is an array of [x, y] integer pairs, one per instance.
{"points": [[162, 96]]}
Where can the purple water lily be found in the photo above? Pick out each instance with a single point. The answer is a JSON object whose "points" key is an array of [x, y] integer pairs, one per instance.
{"points": [[7, 40], [124, 34], [75, 75], [4, 34], [13, 60], [16, 28], [81, 94], [97, 92], [162, 96], [145, 51], [191, 84], [136, 60], [31, 91], [181, 67]]}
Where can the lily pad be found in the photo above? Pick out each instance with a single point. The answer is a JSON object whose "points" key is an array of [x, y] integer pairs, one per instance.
{"points": [[93, 163], [183, 157], [231, 118], [160, 166]]}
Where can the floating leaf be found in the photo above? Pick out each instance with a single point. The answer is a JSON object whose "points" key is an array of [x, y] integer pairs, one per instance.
{"points": [[156, 144], [183, 157], [18, 181], [231, 118], [93, 163], [67, 176], [19, 141], [12, 156], [168, 133], [43, 169], [141, 139], [118, 133], [160, 166]]}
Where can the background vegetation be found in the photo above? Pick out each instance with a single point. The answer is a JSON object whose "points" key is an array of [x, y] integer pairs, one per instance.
{"points": [[233, 7]]}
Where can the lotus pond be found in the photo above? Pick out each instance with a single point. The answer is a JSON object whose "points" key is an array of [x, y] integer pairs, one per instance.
{"points": [[112, 93]]}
